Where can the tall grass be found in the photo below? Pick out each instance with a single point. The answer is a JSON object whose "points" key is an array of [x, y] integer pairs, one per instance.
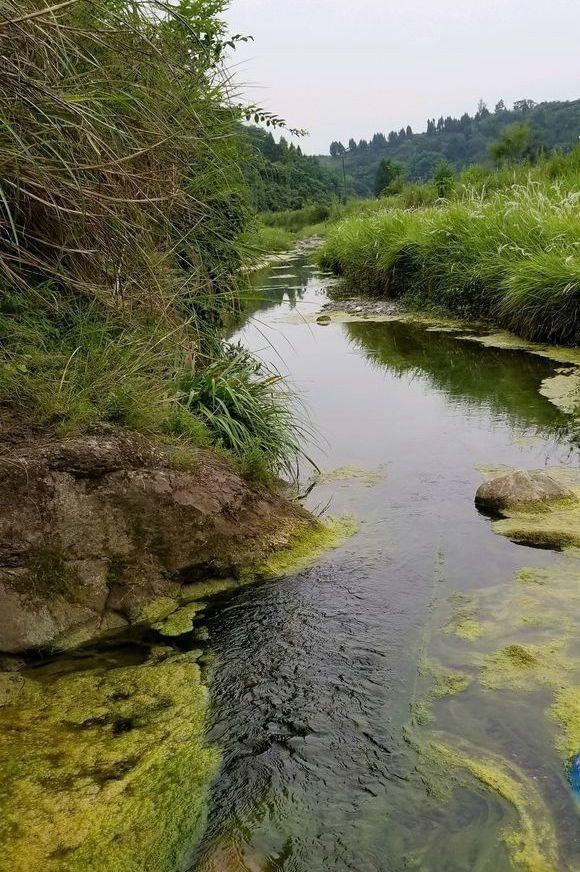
{"points": [[121, 211], [511, 256]]}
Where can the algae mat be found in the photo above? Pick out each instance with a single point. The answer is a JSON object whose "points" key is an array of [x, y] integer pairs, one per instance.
{"points": [[103, 769]]}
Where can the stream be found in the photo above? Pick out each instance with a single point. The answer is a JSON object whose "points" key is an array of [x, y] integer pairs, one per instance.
{"points": [[348, 701]]}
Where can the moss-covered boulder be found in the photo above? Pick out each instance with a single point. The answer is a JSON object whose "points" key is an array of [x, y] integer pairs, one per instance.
{"points": [[531, 490]]}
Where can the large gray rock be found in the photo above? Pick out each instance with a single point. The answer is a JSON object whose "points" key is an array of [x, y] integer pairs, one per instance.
{"points": [[523, 489], [94, 529]]}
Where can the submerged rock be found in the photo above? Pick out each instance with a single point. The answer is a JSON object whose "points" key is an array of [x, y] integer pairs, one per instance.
{"points": [[94, 530], [522, 489]]}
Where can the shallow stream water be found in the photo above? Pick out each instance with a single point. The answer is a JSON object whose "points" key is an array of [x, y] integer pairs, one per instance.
{"points": [[344, 744]]}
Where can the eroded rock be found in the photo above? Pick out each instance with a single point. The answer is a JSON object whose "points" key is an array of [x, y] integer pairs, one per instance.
{"points": [[92, 530]]}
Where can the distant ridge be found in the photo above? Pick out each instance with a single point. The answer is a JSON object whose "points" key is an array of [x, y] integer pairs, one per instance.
{"points": [[461, 141]]}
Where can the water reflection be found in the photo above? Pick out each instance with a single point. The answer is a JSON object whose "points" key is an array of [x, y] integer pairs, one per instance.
{"points": [[316, 679]]}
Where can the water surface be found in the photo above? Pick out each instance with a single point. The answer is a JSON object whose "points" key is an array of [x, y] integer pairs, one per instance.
{"points": [[317, 680]]}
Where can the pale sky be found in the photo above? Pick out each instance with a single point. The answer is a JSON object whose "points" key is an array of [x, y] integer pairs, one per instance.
{"points": [[343, 68]]}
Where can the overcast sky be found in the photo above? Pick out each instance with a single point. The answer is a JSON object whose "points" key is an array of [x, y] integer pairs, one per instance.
{"points": [[344, 68]]}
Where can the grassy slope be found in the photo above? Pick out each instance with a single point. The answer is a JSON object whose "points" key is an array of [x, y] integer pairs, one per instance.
{"points": [[122, 209], [509, 254]]}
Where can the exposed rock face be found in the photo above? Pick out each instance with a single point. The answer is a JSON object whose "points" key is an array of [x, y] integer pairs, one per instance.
{"points": [[94, 529], [523, 490]]}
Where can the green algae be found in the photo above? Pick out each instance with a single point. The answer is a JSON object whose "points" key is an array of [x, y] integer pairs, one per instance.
{"points": [[158, 609], [566, 710], [445, 682], [525, 667], [105, 769], [348, 473], [307, 545], [444, 768], [462, 623], [211, 587], [529, 575], [180, 621], [563, 390]]}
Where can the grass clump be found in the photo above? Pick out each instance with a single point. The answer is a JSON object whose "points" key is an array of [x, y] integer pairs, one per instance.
{"points": [[248, 410], [122, 211], [510, 255]]}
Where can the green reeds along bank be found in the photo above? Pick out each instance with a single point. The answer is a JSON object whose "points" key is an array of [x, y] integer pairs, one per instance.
{"points": [[510, 256], [122, 214]]}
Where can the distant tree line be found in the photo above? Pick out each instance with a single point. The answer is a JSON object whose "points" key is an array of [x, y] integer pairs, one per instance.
{"points": [[525, 130]]}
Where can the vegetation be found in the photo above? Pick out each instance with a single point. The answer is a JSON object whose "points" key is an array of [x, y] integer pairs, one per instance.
{"points": [[122, 209], [531, 129], [281, 178], [506, 251]]}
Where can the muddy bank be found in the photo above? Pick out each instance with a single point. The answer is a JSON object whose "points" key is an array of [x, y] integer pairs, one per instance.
{"points": [[107, 531]]}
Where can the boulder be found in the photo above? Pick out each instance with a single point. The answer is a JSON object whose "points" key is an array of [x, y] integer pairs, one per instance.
{"points": [[95, 529], [527, 490]]}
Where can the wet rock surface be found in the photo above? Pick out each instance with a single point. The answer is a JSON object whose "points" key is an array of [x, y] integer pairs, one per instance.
{"points": [[94, 529], [361, 306], [522, 489]]}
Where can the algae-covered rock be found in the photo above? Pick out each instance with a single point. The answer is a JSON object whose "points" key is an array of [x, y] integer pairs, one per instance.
{"points": [[103, 531], [522, 489], [104, 770]]}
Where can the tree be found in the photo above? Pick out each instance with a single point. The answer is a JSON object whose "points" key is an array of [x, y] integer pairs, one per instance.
{"points": [[431, 126], [409, 130], [513, 145], [336, 149], [393, 137], [388, 173], [482, 110], [500, 106], [524, 105], [444, 178], [352, 146]]}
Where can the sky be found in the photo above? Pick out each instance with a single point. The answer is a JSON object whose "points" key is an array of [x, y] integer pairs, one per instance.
{"points": [[342, 68]]}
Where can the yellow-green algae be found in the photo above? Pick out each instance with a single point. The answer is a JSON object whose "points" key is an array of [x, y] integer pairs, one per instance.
{"points": [[530, 575], [566, 710], [180, 621], [442, 767], [445, 682], [462, 623], [306, 546], [367, 477], [525, 667], [563, 391], [105, 769]]}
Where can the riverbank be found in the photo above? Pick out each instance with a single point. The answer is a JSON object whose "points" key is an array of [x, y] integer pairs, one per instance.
{"points": [[509, 256]]}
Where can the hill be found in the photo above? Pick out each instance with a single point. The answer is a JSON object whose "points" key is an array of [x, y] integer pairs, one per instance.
{"points": [[461, 141]]}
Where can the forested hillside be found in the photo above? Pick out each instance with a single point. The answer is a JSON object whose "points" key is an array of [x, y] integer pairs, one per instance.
{"points": [[460, 141], [281, 177]]}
